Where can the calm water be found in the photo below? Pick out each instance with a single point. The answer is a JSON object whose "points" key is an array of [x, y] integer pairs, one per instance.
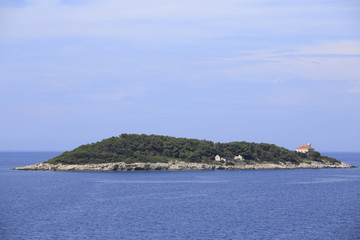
{"points": [[263, 204]]}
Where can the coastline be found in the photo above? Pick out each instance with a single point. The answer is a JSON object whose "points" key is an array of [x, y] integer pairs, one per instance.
{"points": [[180, 166]]}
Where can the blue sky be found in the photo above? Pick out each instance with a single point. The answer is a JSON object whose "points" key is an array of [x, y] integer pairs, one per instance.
{"points": [[282, 72]]}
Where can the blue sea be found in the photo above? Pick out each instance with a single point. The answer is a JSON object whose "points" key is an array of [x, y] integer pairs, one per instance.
{"points": [[247, 204]]}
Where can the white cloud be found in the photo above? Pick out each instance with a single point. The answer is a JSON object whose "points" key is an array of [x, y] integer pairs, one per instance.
{"points": [[355, 90], [149, 18], [330, 60], [111, 95]]}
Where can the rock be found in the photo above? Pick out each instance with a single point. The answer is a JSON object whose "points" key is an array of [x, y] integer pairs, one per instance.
{"points": [[178, 166]]}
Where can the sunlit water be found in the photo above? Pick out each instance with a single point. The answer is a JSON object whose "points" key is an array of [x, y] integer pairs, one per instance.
{"points": [[262, 204]]}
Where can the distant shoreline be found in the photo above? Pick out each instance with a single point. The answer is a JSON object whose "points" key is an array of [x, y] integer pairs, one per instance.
{"points": [[180, 166]]}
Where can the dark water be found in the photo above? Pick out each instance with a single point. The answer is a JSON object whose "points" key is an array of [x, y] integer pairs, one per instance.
{"points": [[263, 204]]}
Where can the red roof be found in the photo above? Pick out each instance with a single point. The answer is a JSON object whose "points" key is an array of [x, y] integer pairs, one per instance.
{"points": [[305, 147]]}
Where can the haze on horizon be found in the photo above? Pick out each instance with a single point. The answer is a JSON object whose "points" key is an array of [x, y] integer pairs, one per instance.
{"points": [[282, 72]]}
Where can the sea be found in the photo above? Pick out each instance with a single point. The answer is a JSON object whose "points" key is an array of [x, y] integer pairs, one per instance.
{"points": [[242, 204]]}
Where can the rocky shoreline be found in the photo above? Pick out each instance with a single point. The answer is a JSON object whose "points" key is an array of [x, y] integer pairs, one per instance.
{"points": [[180, 166]]}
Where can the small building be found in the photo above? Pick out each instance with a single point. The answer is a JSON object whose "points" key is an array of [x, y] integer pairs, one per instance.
{"points": [[238, 158], [305, 148], [218, 158]]}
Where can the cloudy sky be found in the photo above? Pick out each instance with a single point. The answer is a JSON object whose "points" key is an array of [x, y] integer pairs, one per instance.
{"points": [[78, 71]]}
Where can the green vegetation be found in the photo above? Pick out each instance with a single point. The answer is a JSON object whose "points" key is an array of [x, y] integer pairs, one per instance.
{"points": [[131, 148]]}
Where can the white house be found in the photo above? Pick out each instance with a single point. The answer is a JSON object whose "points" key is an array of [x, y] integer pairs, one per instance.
{"points": [[238, 158], [218, 158], [305, 148]]}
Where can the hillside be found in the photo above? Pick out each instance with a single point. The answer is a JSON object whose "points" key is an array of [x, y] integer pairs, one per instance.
{"points": [[134, 148]]}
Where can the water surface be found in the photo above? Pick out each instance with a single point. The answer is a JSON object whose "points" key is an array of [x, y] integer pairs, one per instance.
{"points": [[245, 204]]}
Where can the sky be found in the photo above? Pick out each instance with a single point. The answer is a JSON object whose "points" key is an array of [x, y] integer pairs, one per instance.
{"points": [[75, 72]]}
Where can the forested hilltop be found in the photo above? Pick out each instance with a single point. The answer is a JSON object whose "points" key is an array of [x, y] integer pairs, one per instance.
{"points": [[131, 148]]}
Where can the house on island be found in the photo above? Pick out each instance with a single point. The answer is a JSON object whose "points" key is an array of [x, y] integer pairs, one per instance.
{"points": [[236, 159], [218, 158], [305, 148]]}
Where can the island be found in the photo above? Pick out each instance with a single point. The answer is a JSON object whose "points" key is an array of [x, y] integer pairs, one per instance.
{"points": [[131, 152]]}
